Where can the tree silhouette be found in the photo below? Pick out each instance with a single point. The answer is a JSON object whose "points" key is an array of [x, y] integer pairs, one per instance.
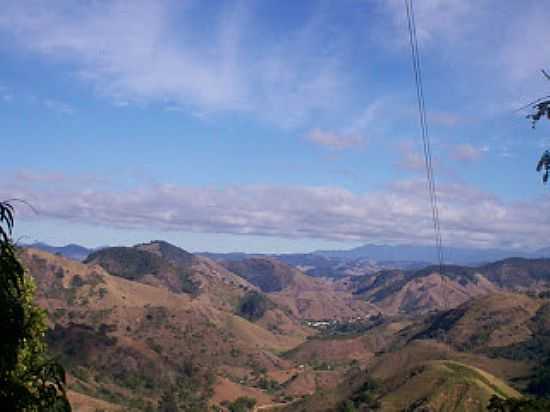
{"points": [[497, 404], [540, 107], [29, 381]]}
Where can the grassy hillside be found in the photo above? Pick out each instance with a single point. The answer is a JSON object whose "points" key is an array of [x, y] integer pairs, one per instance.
{"points": [[490, 323], [137, 264], [426, 290], [173, 254], [421, 292], [269, 274], [518, 273], [131, 338], [126, 343], [443, 386]]}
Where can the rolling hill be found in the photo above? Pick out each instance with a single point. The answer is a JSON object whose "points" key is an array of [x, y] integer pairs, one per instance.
{"points": [[135, 324], [125, 341], [305, 296]]}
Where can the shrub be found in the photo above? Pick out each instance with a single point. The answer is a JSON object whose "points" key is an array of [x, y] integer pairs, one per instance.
{"points": [[29, 381], [77, 281], [242, 404], [253, 306]]}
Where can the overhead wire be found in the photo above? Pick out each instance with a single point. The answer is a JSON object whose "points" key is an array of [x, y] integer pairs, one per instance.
{"points": [[430, 178], [423, 119]]}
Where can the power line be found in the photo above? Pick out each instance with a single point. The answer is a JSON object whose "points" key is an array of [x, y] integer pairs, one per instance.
{"points": [[415, 54]]}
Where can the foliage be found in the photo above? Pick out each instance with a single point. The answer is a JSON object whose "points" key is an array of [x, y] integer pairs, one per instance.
{"points": [[253, 306], [168, 403], [497, 404], [359, 327], [539, 384], [242, 404], [28, 380], [133, 264], [269, 385], [364, 398], [348, 406], [367, 394], [191, 391], [541, 107]]}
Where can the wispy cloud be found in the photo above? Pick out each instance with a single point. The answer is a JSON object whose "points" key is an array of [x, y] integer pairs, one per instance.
{"points": [[176, 61], [354, 133], [334, 140], [494, 53], [410, 157], [58, 106], [467, 152], [445, 118], [435, 19]]}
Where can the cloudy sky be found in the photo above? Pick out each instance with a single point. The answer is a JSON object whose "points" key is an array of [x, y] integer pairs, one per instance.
{"points": [[271, 125]]}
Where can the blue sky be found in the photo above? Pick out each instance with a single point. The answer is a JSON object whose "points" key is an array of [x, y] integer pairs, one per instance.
{"points": [[273, 125]]}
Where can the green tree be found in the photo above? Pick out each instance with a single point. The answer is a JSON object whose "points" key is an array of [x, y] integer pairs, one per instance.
{"points": [[539, 384], [29, 381], [253, 305], [242, 404], [497, 404], [168, 403], [348, 406], [540, 107]]}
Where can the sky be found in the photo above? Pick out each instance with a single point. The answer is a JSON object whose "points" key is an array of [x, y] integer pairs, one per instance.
{"points": [[272, 126]]}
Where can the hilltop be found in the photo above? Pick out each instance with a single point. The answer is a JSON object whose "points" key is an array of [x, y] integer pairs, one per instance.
{"points": [[426, 290], [133, 323], [125, 340], [421, 365], [305, 296]]}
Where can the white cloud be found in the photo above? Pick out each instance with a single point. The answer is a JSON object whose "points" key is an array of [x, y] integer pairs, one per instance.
{"points": [[334, 140], [525, 50], [467, 152], [450, 19], [411, 158], [495, 53], [369, 120], [140, 51], [412, 161], [399, 214], [445, 118], [58, 106]]}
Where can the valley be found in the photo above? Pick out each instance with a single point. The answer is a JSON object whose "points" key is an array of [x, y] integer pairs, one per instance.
{"points": [[151, 325]]}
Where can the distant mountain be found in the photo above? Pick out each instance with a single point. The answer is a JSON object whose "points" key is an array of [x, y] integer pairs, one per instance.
{"points": [[316, 265], [412, 253], [70, 251], [368, 259], [231, 256]]}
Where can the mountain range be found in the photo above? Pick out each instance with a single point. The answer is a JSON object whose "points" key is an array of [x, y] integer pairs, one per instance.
{"points": [[361, 260], [144, 326], [71, 251], [415, 253]]}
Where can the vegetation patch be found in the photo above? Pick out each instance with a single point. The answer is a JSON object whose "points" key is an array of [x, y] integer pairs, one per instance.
{"points": [[253, 306], [242, 404]]}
